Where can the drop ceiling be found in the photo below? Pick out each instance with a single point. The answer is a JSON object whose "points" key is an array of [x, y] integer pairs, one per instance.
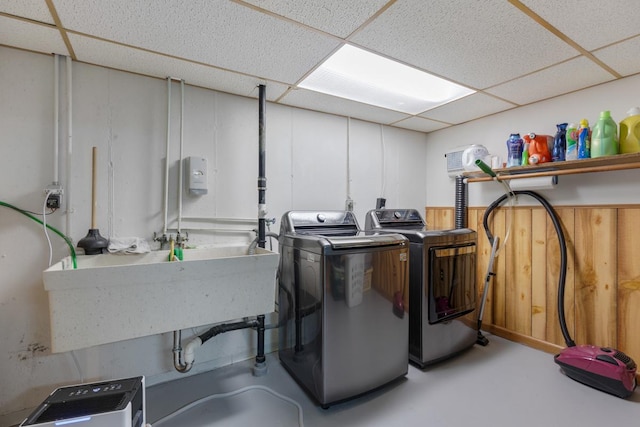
{"points": [[512, 52]]}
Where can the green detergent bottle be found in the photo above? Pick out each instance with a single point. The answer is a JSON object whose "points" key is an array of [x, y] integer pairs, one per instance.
{"points": [[630, 132], [604, 136]]}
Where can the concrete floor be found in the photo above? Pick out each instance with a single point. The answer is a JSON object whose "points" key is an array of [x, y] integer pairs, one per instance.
{"points": [[503, 384]]}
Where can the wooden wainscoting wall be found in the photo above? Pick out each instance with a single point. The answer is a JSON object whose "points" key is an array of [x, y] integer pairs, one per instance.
{"points": [[602, 296]]}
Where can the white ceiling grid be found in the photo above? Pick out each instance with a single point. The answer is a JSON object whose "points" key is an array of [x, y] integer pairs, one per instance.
{"points": [[505, 49]]}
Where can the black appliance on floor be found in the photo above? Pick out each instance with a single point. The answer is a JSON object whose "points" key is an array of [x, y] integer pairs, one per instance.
{"points": [[442, 284]]}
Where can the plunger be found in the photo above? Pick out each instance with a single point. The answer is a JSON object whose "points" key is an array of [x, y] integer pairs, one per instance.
{"points": [[93, 243]]}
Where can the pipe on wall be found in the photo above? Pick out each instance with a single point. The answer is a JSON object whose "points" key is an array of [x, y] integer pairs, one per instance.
{"points": [[166, 171], [180, 172], [56, 116], [461, 202], [262, 179]]}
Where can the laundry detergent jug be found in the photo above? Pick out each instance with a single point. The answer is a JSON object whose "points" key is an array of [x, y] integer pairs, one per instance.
{"points": [[630, 132], [604, 136], [539, 148]]}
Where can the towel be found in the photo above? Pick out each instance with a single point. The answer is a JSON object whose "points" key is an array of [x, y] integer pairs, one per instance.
{"points": [[128, 245]]}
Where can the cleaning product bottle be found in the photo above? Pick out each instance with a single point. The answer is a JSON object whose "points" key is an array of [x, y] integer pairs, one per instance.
{"points": [[630, 132], [584, 140], [571, 138], [559, 143], [514, 150], [525, 155], [604, 136]]}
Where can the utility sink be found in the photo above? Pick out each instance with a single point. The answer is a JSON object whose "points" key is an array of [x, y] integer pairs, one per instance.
{"points": [[111, 297]]}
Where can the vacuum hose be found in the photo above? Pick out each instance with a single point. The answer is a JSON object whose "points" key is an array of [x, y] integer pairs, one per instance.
{"points": [[563, 251]]}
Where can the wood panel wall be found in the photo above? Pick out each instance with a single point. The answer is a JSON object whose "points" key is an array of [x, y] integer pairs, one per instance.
{"points": [[602, 292]]}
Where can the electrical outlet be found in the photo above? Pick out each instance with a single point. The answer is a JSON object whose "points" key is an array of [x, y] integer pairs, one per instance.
{"points": [[54, 198], [53, 201]]}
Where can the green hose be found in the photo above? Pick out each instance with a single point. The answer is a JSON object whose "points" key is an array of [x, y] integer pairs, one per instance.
{"points": [[66, 239]]}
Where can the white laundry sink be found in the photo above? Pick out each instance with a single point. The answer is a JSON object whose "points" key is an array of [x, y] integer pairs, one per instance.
{"points": [[111, 298]]}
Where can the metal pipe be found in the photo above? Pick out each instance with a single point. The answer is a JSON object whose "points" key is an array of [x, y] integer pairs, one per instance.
{"points": [[56, 115], [166, 171], [461, 202], [262, 179], [178, 364], [181, 156], [69, 141]]}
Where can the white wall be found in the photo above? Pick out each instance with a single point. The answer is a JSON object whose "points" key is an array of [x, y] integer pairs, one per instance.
{"points": [[124, 115], [594, 188]]}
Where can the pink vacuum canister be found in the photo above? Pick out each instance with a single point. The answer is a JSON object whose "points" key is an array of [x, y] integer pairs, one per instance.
{"points": [[603, 368]]}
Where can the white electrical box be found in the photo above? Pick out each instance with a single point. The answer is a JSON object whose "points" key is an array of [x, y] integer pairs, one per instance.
{"points": [[197, 175]]}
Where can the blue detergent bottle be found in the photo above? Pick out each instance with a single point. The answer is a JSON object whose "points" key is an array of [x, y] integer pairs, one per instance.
{"points": [[515, 145], [584, 140], [560, 143]]}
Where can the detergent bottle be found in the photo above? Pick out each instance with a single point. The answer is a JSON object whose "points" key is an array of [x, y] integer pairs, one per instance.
{"points": [[525, 155], [584, 140], [604, 136], [571, 138], [514, 150], [630, 132], [560, 143], [539, 148]]}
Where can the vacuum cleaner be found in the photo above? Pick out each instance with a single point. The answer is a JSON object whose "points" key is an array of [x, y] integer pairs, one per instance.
{"points": [[603, 368]]}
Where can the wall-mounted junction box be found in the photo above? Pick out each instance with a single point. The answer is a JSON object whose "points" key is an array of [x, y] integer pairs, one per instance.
{"points": [[197, 175]]}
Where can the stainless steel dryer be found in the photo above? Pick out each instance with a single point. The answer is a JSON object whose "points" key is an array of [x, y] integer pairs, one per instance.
{"points": [[343, 297], [442, 285]]}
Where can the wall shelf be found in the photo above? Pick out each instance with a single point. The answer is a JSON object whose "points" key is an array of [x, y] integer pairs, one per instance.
{"points": [[571, 167]]}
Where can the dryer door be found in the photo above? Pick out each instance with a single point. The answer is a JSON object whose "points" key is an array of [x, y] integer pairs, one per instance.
{"points": [[452, 281]]}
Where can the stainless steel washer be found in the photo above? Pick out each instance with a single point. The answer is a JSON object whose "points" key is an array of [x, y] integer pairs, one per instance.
{"points": [[343, 297], [441, 281]]}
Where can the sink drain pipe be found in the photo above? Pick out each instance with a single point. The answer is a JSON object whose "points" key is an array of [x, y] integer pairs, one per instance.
{"points": [[183, 359]]}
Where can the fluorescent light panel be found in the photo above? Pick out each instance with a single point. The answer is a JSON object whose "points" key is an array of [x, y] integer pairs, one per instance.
{"points": [[365, 77]]}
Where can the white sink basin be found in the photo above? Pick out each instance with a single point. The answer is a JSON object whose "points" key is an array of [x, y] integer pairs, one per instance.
{"points": [[111, 298]]}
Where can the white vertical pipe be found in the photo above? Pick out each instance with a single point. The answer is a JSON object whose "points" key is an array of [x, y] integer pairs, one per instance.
{"points": [[69, 140], [181, 155], [384, 165], [56, 114], [166, 172], [348, 158]]}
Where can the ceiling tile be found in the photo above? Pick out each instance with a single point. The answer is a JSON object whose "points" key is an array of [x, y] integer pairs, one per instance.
{"points": [[36, 10], [562, 78], [343, 107], [467, 108], [622, 57], [216, 32], [479, 43], [121, 57], [420, 124], [36, 37], [590, 23], [337, 17]]}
